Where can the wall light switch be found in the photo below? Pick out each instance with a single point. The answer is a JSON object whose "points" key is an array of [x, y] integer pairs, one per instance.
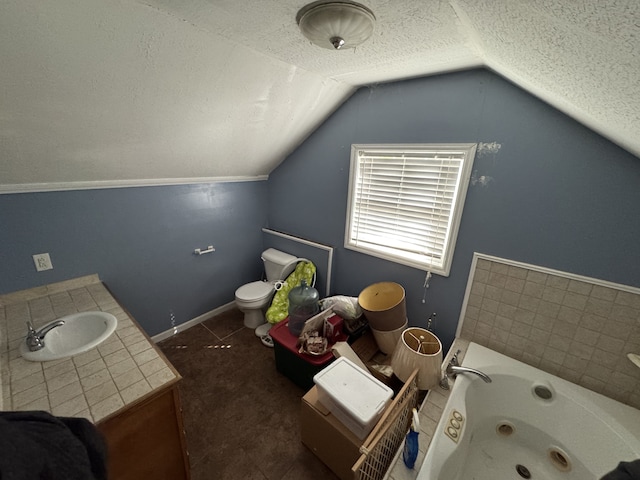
{"points": [[42, 262]]}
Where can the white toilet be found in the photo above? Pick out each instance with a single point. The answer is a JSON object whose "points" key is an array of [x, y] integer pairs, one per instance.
{"points": [[254, 298]]}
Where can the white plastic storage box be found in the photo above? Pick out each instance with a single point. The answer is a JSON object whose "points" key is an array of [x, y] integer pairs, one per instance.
{"points": [[353, 396]]}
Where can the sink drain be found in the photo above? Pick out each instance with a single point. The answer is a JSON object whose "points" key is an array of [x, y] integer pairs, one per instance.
{"points": [[523, 471]]}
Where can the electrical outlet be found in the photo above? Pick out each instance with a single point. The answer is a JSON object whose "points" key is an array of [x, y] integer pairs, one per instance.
{"points": [[42, 262]]}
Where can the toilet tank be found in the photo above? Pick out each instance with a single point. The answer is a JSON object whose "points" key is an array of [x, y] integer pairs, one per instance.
{"points": [[278, 265]]}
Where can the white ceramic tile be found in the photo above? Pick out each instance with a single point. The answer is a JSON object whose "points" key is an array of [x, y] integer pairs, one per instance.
{"points": [[22, 383], [160, 378], [561, 283], [529, 303], [483, 264], [139, 347], [598, 306], [98, 378], [603, 293], [145, 356], [520, 329], [581, 288], [525, 316], [135, 337], [135, 391], [65, 394], [23, 368], [152, 367], [581, 350], [120, 368], [71, 407], [29, 396], [605, 359], [124, 332], [628, 299], [91, 368], [101, 392], [610, 344], [106, 407], [625, 314], [481, 276], [86, 357], [486, 317], [62, 380], [52, 371], [494, 293], [553, 295], [132, 376], [64, 309], [536, 277], [41, 403], [116, 357], [564, 329], [518, 272]]}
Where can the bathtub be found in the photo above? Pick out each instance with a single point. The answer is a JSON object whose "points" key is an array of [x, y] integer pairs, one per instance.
{"points": [[527, 424]]}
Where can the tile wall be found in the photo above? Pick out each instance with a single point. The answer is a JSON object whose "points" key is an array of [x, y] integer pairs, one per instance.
{"points": [[577, 328]]}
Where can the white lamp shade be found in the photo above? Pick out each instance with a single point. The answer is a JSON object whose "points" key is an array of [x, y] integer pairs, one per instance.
{"points": [[336, 25], [418, 349]]}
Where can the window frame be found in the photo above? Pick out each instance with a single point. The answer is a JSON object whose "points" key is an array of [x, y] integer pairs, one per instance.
{"points": [[450, 237]]}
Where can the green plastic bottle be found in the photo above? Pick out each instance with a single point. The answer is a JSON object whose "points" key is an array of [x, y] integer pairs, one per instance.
{"points": [[303, 304]]}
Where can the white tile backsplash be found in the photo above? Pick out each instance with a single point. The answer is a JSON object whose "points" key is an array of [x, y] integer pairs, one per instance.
{"points": [[577, 328]]}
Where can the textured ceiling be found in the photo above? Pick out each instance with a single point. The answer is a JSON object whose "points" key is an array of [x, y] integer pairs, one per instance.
{"points": [[125, 90]]}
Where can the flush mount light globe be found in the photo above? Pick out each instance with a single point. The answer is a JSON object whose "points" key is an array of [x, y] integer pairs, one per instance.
{"points": [[336, 25]]}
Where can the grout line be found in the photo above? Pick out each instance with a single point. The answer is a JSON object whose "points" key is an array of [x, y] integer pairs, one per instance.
{"points": [[211, 332], [232, 333]]}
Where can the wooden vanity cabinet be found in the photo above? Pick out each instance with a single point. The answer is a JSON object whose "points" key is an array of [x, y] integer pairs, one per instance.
{"points": [[146, 440]]}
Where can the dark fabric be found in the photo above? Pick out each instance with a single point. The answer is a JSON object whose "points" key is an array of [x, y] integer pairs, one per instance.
{"points": [[624, 471], [39, 446]]}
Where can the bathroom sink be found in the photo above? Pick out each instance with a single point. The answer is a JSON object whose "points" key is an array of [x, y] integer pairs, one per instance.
{"points": [[80, 332]]}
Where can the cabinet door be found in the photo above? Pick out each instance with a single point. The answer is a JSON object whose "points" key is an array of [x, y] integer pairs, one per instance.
{"points": [[146, 441]]}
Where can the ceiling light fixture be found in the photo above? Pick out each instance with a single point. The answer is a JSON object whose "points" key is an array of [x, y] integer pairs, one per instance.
{"points": [[336, 25]]}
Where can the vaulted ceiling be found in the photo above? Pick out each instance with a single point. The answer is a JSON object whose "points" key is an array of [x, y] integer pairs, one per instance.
{"points": [[95, 91]]}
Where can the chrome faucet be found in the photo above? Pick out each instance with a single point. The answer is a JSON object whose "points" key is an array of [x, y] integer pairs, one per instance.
{"points": [[35, 339], [454, 368]]}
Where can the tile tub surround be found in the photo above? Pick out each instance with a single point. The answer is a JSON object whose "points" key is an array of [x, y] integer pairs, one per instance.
{"points": [[95, 384], [577, 328]]}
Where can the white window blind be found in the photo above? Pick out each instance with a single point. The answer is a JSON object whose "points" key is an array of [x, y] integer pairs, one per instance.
{"points": [[405, 202]]}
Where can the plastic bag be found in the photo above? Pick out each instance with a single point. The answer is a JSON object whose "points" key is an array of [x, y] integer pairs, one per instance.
{"points": [[346, 307]]}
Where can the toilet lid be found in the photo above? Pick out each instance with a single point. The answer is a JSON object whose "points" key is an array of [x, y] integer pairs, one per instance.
{"points": [[254, 291]]}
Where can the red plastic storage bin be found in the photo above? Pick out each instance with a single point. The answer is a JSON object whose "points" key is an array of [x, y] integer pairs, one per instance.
{"points": [[299, 367]]}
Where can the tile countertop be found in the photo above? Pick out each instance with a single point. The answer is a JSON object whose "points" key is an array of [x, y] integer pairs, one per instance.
{"points": [[95, 384], [430, 412]]}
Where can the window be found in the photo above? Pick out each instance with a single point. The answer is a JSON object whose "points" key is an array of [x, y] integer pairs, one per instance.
{"points": [[405, 202]]}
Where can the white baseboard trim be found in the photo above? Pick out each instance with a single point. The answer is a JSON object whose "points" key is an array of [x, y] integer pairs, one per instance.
{"points": [[194, 321]]}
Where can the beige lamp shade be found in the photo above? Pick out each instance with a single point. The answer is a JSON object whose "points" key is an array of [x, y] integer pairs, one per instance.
{"points": [[418, 349], [384, 306]]}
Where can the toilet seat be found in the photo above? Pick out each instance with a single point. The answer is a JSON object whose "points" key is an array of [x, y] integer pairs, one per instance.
{"points": [[254, 291]]}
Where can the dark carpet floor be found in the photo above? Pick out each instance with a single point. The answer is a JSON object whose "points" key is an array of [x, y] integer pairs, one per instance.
{"points": [[241, 416]]}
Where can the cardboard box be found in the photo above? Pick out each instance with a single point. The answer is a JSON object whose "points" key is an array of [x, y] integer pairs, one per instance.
{"points": [[327, 437]]}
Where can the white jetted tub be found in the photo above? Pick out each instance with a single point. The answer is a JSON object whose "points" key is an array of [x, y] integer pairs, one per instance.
{"points": [[527, 423]]}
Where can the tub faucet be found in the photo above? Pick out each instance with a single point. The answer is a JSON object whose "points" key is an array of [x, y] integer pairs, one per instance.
{"points": [[35, 339], [454, 368]]}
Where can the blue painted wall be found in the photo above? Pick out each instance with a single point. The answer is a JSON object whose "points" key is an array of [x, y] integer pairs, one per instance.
{"points": [[559, 196], [140, 241]]}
